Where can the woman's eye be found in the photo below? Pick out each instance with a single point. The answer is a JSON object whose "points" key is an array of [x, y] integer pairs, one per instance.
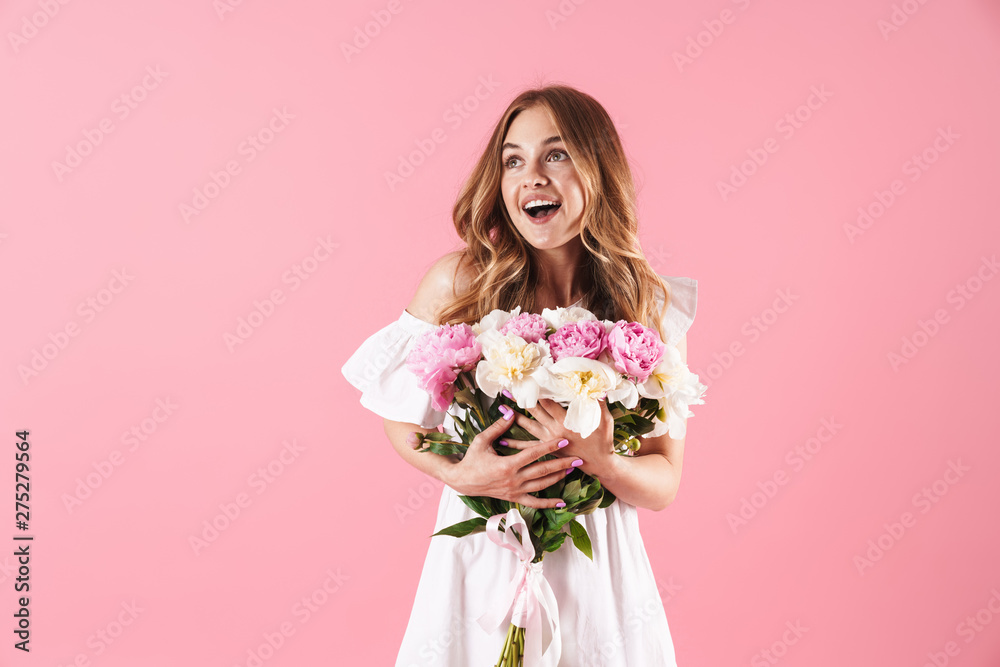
{"points": [[508, 163]]}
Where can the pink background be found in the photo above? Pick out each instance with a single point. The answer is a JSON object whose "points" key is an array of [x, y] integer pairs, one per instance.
{"points": [[329, 514]]}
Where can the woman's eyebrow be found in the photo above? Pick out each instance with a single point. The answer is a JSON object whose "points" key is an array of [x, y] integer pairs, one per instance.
{"points": [[550, 140]]}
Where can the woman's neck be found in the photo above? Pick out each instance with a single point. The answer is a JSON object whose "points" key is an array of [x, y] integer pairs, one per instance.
{"points": [[563, 277]]}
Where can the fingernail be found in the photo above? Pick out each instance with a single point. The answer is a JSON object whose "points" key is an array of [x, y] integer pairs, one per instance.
{"points": [[563, 442], [560, 504], [504, 443], [569, 470], [578, 462], [507, 412], [507, 394]]}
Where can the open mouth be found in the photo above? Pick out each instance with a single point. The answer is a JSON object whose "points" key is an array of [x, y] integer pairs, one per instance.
{"points": [[537, 209]]}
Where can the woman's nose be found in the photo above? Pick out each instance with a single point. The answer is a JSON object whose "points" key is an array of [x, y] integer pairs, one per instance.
{"points": [[533, 175]]}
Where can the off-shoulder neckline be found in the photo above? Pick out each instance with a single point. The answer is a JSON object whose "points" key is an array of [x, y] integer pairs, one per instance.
{"points": [[407, 314]]}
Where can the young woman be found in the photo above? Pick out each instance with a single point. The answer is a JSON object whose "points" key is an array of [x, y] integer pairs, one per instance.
{"points": [[548, 217]]}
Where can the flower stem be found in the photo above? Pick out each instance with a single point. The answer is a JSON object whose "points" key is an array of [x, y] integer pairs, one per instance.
{"points": [[505, 653]]}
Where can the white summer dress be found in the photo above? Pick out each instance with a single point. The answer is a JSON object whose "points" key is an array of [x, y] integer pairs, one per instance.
{"points": [[610, 611]]}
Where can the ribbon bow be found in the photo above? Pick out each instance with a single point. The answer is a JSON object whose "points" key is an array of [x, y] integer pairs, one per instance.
{"points": [[528, 595]]}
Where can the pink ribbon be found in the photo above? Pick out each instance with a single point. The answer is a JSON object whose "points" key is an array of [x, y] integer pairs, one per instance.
{"points": [[527, 597]]}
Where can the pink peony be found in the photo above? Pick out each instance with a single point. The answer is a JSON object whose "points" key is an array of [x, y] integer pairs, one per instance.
{"points": [[584, 338], [529, 326], [439, 355], [635, 349]]}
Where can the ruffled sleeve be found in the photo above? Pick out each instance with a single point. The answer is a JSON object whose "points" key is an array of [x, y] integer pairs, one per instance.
{"points": [[388, 387], [681, 308]]}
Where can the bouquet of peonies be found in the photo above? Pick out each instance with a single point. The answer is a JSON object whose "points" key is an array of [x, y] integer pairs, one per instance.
{"points": [[510, 360]]}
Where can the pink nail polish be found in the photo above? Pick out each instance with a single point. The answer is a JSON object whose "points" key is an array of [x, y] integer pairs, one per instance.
{"points": [[569, 470], [507, 412], [504, 443], [578, 462], [507, 394], [560, 505], [563, 442]]}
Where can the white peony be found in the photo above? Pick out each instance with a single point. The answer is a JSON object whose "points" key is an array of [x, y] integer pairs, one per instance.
{"points": [[676, 387], [496, 319], [583, 384], [625, 393], [512, 363], [556, 317]]}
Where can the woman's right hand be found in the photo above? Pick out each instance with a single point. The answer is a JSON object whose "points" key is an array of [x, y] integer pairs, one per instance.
{"points": [[483, 472]]}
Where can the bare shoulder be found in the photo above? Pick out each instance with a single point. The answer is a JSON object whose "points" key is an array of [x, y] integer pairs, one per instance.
{"points": [[447, 276]]}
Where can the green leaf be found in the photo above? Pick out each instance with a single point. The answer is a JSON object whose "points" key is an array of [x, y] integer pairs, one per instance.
{"points": [[607, 499], [537, 528], [555, 519], [553, 542], [476, 525], [581, 540], [498, 506], [437, 436], [529, 515], [477, 504], [445, 448], [590, 489], [587, 506]]}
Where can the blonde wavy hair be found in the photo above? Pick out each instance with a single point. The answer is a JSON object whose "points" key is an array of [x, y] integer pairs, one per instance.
{"points": [[505, 265]]}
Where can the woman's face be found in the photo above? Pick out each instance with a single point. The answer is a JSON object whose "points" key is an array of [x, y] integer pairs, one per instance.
{"points": [[536, 167]]}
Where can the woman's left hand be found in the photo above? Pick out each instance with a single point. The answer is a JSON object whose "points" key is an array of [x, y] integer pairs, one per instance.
{"points": [[596, 450]]}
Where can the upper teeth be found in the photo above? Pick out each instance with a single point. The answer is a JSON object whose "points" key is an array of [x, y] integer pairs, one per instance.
{"points": [[539, 202]]}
